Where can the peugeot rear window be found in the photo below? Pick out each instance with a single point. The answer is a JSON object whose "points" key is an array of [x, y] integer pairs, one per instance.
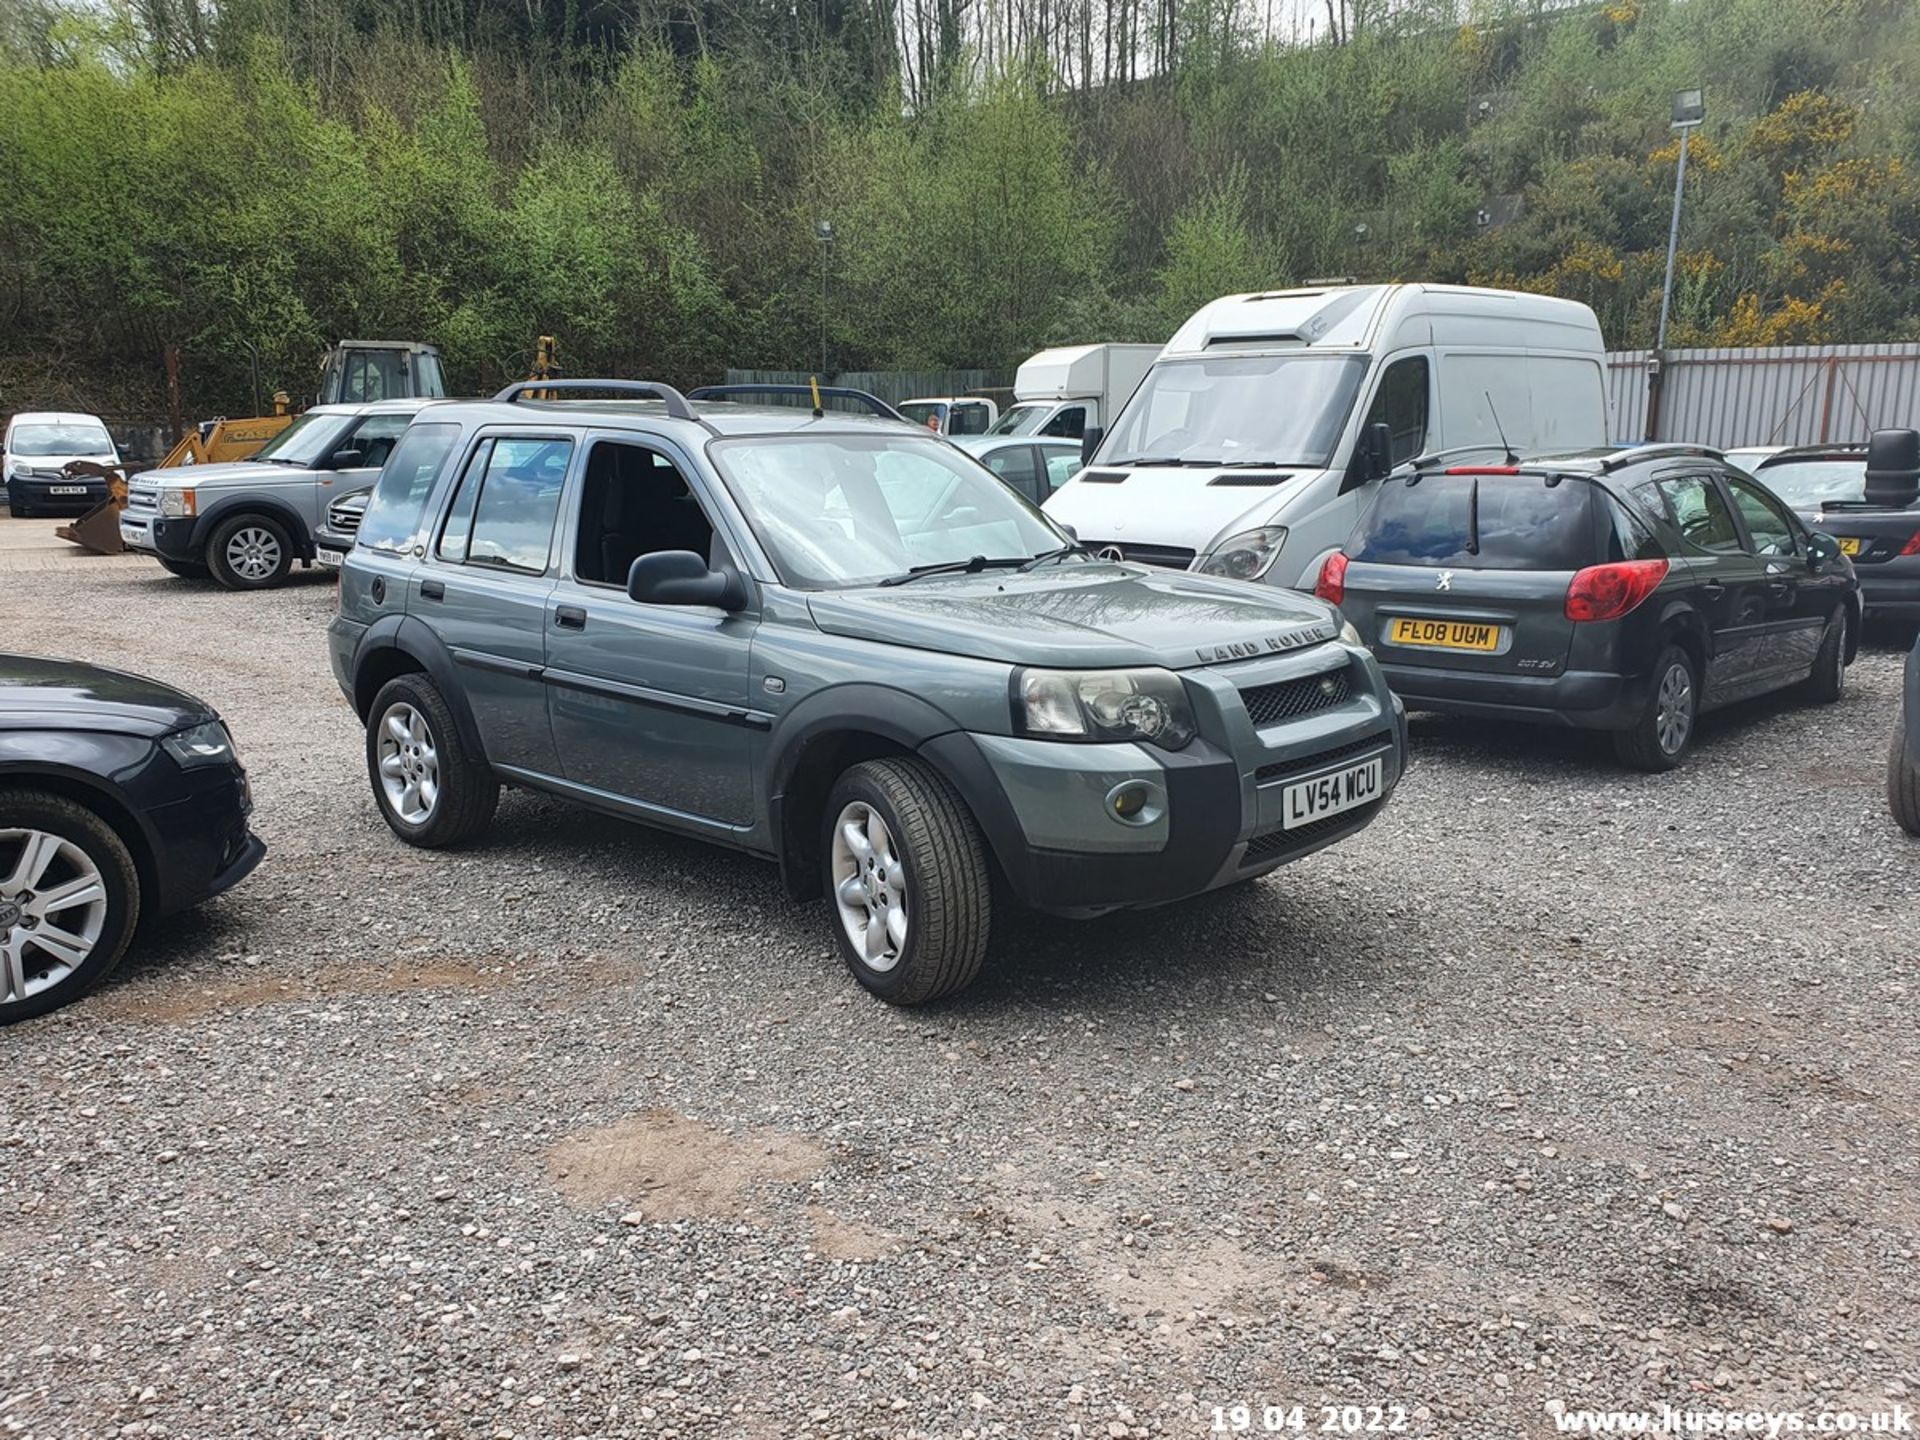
{"points": [[1484, 522]]}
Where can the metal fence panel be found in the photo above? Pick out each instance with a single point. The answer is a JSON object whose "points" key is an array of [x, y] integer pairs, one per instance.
{"points": [[892, 386], [1779, 395]]}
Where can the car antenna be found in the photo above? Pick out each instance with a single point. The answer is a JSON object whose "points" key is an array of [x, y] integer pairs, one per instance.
{"points": [[1512, 459], [819, 411]]}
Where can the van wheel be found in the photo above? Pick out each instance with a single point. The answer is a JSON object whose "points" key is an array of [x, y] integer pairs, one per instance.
{"points": [[1903, 787], [1828, 682], [250, 552], [1663, 733], [69, 897], [907, 875], [430, 791]]}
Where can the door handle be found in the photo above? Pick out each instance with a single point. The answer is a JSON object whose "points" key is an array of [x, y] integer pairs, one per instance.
{"points": [[432, 590], [1713, 589], [570, 617]]}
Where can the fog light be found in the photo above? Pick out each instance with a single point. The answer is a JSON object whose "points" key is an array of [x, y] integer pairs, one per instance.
{"points": [[1135, 802]]}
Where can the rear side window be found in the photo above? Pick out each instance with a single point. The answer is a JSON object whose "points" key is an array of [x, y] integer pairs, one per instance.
{"points": [[1703, 517], [508, 500], [400, 494], [1483, 522]]}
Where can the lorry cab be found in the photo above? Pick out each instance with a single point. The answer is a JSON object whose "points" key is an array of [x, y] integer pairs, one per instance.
{"points": [[1065, 392], [952, 414], [1256, 439]]}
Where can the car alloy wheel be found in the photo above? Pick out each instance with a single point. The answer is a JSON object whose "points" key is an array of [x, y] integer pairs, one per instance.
{"points": [[870, 886], [1673, 718], [409, 764], [253, 553], [53, 911]]}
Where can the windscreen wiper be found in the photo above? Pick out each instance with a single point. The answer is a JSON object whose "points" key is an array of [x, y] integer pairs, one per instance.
{"points": [[1254, 464], [1072, 547], [1155, 460], [971, 566]]}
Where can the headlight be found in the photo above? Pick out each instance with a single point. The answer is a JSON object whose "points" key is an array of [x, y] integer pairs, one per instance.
{"points": [[1149, 705], [178, 503], [1350, 635], [207, 744], [1246, 556], [16, 467]]}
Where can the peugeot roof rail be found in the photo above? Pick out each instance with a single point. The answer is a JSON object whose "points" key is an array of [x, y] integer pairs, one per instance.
{"points": [[1634, 454], [675, 402], [810, 392], [1435, 456]]}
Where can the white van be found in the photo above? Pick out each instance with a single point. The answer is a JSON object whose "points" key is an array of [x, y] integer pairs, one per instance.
{"points": [[1251, 447]]}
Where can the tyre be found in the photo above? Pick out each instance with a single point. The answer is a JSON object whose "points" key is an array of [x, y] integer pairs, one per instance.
{"points": [[1828, 681], [250, 552], [1661, 735], [1903, 787], [185, 569], [69, 899], [430, 790], [906, 873]]}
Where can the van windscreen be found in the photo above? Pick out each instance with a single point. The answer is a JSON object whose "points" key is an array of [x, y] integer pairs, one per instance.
{"points": [[1286, 409], [1481, 522]]}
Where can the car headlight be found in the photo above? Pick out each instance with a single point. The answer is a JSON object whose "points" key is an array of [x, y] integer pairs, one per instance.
{"points": [[1350, 634], [207, 744], [1246, 556], [177, 503], [1146, 704]]}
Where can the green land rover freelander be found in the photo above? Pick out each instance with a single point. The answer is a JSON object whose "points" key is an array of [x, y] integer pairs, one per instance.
{"points": [[836, 641]]}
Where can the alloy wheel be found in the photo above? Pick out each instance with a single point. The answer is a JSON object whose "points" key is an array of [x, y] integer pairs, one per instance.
{"points": [[253, 553], [1673, 717], [870, 886], [53, 911], [409, 764]]}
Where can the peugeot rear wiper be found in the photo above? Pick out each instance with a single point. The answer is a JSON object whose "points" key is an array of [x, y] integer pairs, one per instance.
{"points": [[972, 566]]}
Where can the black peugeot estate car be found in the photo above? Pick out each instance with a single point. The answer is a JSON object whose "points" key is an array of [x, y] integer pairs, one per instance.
{"points": [[1625, 591]]}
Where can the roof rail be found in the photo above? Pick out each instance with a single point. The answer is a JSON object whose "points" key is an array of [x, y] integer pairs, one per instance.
{"points": [[675, 402], [1634, 454], [839, 392]]}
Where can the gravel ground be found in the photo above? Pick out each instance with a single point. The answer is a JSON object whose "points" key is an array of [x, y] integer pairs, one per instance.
{"points": [[1557, 1086]]}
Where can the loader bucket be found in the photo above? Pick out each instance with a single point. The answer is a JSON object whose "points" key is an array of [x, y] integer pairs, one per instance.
{"points": [[98, 530]]}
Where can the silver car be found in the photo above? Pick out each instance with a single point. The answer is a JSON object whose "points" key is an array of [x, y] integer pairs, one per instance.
{"points": [[245, 524]]}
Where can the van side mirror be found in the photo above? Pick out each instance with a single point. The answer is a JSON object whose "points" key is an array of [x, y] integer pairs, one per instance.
{"points": [[1893, 468], [680, 577], [1823, 552], [1090, 439], [1379, 443]]}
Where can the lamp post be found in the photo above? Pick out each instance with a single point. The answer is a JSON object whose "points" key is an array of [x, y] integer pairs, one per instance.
{"points": [[823, 229], [1689, 110]]}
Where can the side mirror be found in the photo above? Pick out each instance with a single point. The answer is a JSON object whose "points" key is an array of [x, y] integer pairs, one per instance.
{"points": [[680, 577], [1090, 439], [1823, 552], [1893, 468], [1379, 443], [1067, 530], [347, 459]]}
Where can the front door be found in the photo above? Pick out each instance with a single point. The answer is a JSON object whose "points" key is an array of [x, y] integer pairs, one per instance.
{"points": [[1728, 581], [649, 702], [1797, 608]]}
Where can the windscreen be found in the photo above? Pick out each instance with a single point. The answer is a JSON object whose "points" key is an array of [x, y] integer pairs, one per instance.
{"points": [[1021, 420], [1481, 522], [1809, 484], [1237, 410], [60, 439], [307, 441], [835, 511]]}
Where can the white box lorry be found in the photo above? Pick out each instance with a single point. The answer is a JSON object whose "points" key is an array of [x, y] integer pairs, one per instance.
{"points": [[1068, 391], [1266, 425]]}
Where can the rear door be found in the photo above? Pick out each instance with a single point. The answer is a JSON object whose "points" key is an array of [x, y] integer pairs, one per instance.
{"points": [[484, 585], [1728, 581], [1468, 570]]}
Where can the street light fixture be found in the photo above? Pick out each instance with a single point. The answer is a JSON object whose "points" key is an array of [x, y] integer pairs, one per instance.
{"points": [[823, 230], [1689, 112]]}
